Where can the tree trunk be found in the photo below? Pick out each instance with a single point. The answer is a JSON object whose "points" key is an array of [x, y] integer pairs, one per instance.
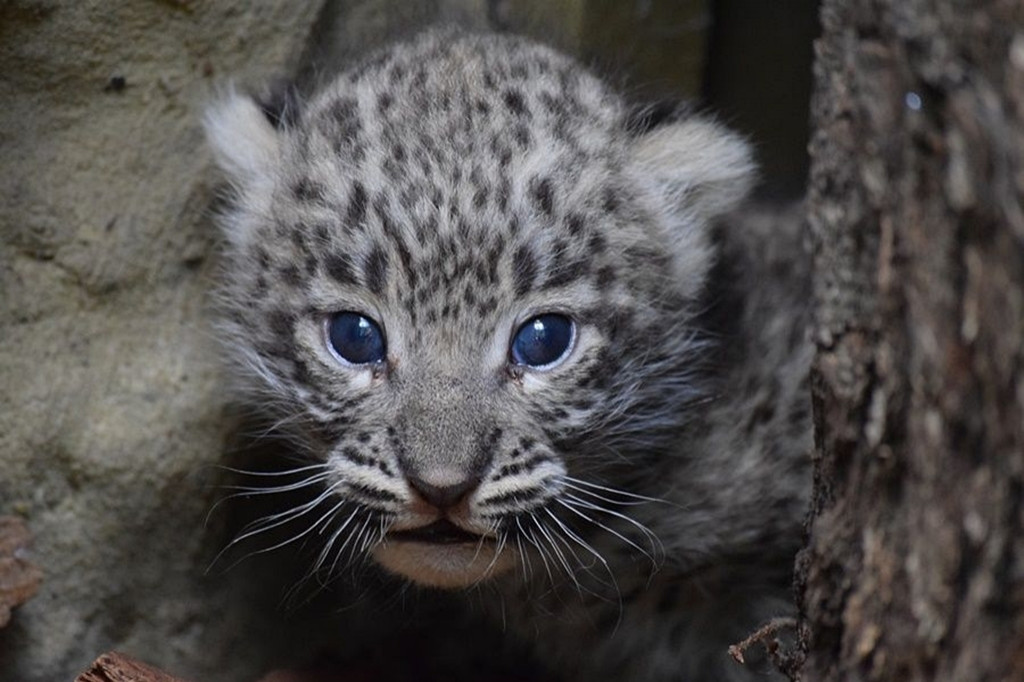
{"points": [[915, 567]]}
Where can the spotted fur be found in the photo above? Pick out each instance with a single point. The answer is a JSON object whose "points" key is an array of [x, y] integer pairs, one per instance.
{"points": [[642, 499]]}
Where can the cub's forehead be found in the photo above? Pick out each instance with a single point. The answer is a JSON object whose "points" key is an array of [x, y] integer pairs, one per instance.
{"points": [[453, 94], [450, 114], [480, 167]]}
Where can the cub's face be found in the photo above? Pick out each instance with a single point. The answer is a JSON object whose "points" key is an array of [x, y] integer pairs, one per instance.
{"points": [[469, 287]]}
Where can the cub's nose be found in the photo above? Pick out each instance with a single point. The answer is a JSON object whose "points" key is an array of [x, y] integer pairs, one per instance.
{"points": [[443, 496]]}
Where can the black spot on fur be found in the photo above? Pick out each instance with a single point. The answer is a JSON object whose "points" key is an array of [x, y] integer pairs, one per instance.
{"points": [[300, 372], [480, 198], [291, 275], [339, 267], [524, 270], [309, 190], [522, 136], [493, 258], [354, 456], [281, 323], [312, 266], [344, 118], [298, 239], [566, 272], [343, 110], [262, 257], [611, 201], [542, 192], [356, 212], [503, 192], [488, 305], [375, 271], [406, 257], [516, 104], [605, 277], [575, 224], [420, 79]]}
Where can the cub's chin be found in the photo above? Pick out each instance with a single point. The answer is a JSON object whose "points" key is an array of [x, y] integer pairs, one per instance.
{"points": [[444, 565]]}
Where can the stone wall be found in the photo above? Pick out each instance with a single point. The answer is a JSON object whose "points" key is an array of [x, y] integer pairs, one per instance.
{"points": [[112, 417]]}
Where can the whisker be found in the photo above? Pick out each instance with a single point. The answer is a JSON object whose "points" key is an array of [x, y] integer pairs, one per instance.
{"points": [[657, 548], [498, 549], [603, 498], [559, 555], [351, 537], [280, 518], [611, 531], [613, 491], [288, 472], [613, 584], [527, 573], [283, 543], [543, 557], [330, 544], [523, 551], [580, 541], [252, 491]]}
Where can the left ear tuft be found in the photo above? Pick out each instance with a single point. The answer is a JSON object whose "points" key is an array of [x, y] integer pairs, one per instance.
{"points": [[244, 141]]}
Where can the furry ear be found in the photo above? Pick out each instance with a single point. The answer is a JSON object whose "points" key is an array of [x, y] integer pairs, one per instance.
{"points": [[699, 167], [692, 171], [245, 143]]}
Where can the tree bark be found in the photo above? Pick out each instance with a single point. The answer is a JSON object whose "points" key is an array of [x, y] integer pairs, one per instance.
{"points": [[915, 564]]}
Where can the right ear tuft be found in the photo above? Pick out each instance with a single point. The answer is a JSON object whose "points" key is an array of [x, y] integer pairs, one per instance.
{"points": [[245, 143]]}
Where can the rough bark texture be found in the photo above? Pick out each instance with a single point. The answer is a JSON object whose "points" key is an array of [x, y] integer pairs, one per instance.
{"points": [[915, 569]]}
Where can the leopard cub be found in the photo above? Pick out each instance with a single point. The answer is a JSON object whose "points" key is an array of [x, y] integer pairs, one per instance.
{"points": [[523, 348]]}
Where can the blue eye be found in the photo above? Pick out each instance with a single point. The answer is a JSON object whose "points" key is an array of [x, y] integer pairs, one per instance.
{"points": [[543, 340], [356, 339]]}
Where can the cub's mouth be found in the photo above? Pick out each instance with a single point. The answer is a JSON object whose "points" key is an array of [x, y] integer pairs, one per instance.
{"points": [[442, 555], [442, 532]]}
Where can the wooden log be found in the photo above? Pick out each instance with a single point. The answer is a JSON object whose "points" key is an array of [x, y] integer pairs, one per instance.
{"points": [[116, 667]]}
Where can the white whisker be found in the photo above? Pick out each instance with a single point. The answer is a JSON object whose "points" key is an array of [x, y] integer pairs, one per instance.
{"points": [[614, 491], [657, 549]]}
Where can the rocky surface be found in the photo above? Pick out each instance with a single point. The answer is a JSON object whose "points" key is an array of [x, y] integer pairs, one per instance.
{"points": [[112, 416]]}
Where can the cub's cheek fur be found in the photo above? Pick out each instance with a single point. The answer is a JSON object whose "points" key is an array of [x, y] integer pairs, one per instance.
{"points": [[444, 566]]}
